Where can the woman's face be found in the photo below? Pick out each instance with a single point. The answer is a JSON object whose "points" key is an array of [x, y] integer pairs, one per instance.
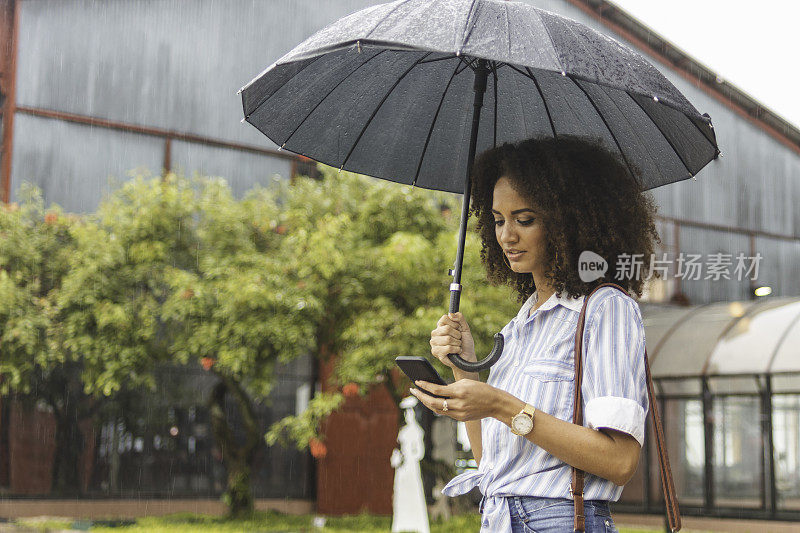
{"points": [[519, 229]]}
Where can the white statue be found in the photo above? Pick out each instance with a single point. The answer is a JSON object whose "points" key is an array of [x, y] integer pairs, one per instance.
{"points": [[410, 511]]}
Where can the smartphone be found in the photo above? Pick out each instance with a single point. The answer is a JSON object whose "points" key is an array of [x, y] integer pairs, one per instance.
{"points": [[420, 368]]}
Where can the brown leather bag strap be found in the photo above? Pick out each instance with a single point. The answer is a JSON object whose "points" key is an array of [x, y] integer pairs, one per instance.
{"points": [[576, 488]]}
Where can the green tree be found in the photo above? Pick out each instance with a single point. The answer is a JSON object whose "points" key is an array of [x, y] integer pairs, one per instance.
{"points": [[379, 253], [177, 271], [36, 247], [242, 308], [172, 270]]}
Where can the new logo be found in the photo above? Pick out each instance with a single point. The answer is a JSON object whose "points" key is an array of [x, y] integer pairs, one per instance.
{"points": [[591, 266]]}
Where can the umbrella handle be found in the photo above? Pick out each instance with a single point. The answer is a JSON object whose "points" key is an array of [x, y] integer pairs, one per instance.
{"points": [[486, 362]]}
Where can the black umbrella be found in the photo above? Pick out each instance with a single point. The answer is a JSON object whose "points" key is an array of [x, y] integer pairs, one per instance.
{"points": [[408, 91]]}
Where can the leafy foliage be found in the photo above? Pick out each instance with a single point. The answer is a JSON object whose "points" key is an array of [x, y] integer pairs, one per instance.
{"points": [[172, 270], [35, 248], [378, 254]]}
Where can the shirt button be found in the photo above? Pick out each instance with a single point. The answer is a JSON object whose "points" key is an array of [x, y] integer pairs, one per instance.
{"points": [[516, 362]]}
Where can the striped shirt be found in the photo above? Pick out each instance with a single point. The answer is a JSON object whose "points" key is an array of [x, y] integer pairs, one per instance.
{"points": [[538, 367]]}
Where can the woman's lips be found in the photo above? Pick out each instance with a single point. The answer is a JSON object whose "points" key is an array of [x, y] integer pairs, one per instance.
{"points": [[514, 256]]}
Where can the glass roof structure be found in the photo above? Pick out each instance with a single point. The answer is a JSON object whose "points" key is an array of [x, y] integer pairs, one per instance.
{"points": [[733, 344]]}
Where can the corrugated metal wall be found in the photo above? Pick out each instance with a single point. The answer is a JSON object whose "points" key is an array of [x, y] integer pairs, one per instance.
{"points": [[177, 64]]}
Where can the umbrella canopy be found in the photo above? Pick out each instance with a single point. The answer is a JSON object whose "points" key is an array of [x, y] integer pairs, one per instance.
{"points": [[408, 91], [388, 92]]}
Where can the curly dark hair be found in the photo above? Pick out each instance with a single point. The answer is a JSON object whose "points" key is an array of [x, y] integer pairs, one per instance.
{"points": [[589, 199]]}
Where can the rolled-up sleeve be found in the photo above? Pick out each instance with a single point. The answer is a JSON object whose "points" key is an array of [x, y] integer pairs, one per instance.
{"points": [[614, 379]]}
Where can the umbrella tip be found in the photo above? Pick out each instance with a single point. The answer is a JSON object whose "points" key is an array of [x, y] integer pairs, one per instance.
{"points": [[242, 121], [239, 91]]}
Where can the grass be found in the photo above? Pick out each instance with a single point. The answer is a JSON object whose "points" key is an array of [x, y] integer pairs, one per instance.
{"points": [[272, 521], [267, 522]]}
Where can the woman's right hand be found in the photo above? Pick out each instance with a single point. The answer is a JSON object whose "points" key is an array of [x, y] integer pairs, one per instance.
{"points": [[452, 335]]}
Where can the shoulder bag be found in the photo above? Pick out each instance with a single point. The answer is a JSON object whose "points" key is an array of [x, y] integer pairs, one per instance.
{"points": [[576, 488]]}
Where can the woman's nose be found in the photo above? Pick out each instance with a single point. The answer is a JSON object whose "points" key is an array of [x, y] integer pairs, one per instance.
{"points": [[507, 234]]}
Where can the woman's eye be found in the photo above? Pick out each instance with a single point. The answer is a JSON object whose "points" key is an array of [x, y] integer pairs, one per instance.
{"points": [[527, 222], [498, 222]]}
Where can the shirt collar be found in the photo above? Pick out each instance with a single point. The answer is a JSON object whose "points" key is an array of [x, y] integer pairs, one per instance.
{"points": [[574, 304]]}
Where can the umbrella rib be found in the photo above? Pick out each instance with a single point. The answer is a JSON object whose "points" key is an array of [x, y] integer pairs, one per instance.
{"points": [[546, 107], [494, 77], [398, 6], [622, 114], [508, 30], [465, 35], [662, 134], [433, 123], [605, 122], [327, 95], [438, 59], [265, 98], [378, 107], [515, 69], [467, 64], [707, 136]]}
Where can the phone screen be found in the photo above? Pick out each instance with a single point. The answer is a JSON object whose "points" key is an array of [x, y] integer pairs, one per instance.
{"points": [[419, 368]]}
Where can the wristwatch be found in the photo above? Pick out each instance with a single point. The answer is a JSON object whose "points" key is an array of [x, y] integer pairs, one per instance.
{"points": [[522, 422]]}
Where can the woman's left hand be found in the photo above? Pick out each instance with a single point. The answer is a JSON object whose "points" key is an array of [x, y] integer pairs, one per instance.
{"points": [[467, 399]]}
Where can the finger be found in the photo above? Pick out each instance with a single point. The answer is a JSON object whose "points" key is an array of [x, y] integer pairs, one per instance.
{"points": [[426, 400], [442, 357], [439, 390], [448, 321], [441, 352], [446, 330], [459, 318], [444, 340], [449, 329]]}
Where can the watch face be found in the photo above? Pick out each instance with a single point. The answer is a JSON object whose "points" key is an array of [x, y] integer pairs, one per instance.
{"points": [[522, 424]]}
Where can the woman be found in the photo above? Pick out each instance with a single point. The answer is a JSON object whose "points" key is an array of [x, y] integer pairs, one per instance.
{"points": [[539, 205]]}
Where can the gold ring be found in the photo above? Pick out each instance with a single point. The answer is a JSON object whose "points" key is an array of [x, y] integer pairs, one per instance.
{"points": [[444, 405]]}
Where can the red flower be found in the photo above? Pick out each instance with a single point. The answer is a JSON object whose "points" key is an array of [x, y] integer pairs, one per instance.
{"points": [[350, 390], [280, 230], [318, 448], [188, 293], [207, 363], [50, 218]]}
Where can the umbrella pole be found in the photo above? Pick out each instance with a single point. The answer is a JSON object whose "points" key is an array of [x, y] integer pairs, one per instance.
{"points": [[481, 75]]}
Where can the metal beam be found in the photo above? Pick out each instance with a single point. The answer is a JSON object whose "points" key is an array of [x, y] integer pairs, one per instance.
{"points": [[729, 229], [708, 434], [155, 132], [767, 413], [9, 24]]}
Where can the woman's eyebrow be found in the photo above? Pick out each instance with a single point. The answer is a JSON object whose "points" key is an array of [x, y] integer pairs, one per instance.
{"points": [[515, 212]]}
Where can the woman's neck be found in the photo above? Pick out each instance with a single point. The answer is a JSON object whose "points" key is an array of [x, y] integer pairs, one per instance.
{"points": [[543, 290]]}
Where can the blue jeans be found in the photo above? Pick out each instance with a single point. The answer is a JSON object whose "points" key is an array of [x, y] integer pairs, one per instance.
{"points": [[532, 514]]}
